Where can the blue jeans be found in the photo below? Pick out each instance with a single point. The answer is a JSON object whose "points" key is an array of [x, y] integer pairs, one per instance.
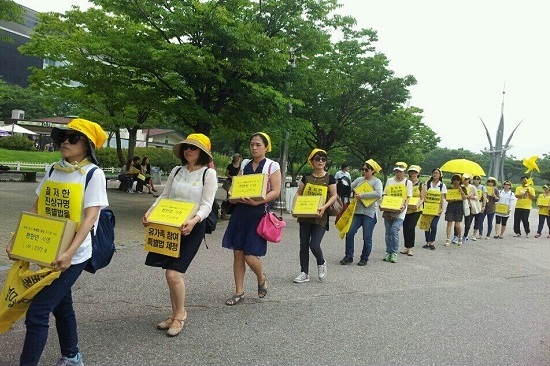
{"points": [[542, 219], [490, 217], [57, 299], [367, 223], [392, 234], [431, 233]]}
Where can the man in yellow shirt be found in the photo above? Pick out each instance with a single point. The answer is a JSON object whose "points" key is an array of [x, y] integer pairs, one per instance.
{"points": [[525, 195]]}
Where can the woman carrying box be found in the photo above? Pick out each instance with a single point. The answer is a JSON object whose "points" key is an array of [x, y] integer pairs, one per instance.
{"points": [[503, 208], [77, 144], [240, 235], [312, 230], [544, 214], [192, 181]]}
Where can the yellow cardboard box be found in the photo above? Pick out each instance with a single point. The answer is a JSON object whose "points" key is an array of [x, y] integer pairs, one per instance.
{"points": [[431, 209], [391, 203], [41, 239], [414, 203], [251, 185], [307, 206], [173, 212], [163, 239]]}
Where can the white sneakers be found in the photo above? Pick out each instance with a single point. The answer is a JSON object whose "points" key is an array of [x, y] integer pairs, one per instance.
{"points": [[322, 270], [302, 277]]}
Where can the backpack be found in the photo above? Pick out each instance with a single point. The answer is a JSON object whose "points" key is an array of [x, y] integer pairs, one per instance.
{"points": [[103, 240], [212, 218]]}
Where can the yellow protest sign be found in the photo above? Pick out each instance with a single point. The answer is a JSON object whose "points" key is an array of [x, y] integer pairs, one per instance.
{"points": [[250, 185], [141, 177], [502, 208], [433, 196], [62, 200], [490, 190], [307, 206], [453, 194], [315, 190], [163, 239], [365, 187], [173, 212], [391, 203], [397, 190], [41, 239], [431, 209], [425, 221], [543, 201]]}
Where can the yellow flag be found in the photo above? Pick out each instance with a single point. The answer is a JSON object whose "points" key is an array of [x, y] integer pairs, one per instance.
{"points": [[344, 222]]}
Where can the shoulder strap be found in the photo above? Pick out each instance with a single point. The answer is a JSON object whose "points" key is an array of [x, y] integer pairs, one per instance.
{"points": [[203, 175], [89, 176], [51, 171], [177, 171]]}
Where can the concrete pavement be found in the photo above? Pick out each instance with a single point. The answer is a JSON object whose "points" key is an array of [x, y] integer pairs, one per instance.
{"points": [[485, 303]]}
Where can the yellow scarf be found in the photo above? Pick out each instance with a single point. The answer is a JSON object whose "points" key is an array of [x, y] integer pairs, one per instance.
{"points": [[67, 167]]}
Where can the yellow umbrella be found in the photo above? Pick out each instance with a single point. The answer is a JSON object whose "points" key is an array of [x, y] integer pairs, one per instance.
{"points": [[463, 166]]}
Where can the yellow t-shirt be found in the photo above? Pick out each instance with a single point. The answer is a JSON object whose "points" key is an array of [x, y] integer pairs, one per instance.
{"points": [[544, 210], [526, 202]]}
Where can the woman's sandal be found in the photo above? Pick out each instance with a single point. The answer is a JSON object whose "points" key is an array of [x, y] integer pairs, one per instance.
{"points": [[235, 299], [175, 330], [262, 289], [165, 324]]}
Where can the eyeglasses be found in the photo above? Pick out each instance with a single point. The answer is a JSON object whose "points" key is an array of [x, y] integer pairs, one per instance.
{"points": [[188, 146], [73, 138], [477, 178], [319, 158]]}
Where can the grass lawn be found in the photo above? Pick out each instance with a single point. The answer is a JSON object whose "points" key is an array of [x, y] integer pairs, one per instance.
{"points": [[28, 156]]}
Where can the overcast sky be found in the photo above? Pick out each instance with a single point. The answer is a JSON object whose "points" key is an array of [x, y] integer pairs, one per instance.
{"points": [[462, 54]]}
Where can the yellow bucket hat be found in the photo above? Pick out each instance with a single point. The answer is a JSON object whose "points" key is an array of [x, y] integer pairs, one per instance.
{"points": [[196, 139], [95, 134], [414, 168], [312, 154]]}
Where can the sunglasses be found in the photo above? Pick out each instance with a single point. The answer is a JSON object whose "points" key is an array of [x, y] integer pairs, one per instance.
{"points": [[73, 138], [366, 169], [319, 158], [188, 146]]}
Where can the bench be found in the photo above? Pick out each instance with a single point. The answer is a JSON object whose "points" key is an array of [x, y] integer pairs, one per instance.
{"points": [[26, 176]]}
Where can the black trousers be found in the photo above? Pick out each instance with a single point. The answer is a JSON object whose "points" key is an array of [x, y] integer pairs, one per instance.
{"points": [[521, 216], [409, 226]]}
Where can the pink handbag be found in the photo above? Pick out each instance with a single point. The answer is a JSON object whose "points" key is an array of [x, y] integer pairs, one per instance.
{"points": [[270, 227]]}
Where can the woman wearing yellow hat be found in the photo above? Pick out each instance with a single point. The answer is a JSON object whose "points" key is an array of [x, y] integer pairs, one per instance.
{"points": [[241, 235], [312, 230], [192, 181], [84, 196], [491, 198]]}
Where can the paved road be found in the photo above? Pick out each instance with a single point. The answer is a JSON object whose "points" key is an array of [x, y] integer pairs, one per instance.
{"points": [[485, 303]]}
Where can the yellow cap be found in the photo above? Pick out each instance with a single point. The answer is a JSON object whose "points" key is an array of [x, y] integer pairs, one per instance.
{"points": [[92, 130], [401, 166]]}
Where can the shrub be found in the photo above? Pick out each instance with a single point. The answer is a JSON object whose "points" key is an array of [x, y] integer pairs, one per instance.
{"points": [[17, 143]]}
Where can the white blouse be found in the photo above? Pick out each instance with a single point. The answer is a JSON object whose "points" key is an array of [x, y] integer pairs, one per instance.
{"points": [[188, 186]]}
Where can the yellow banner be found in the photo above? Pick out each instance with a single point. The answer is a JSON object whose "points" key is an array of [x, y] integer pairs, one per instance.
{"points": [[173, 212], [163, 239], [62, 200], [344, 222], [365, 187], [251, 185], [307, 206], [41, 239], [424, 222]]}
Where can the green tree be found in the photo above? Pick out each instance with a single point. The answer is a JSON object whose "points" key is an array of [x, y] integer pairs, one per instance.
{"points": [[9, 11]]}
